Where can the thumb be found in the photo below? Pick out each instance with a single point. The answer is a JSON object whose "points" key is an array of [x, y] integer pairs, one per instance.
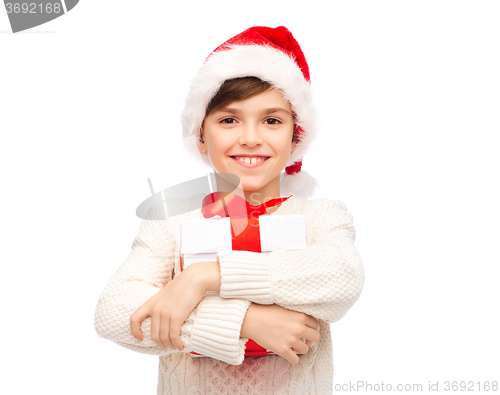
{"points": [[135, 320]]}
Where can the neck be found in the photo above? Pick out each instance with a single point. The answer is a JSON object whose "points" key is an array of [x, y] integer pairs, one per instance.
{"points": [[254, 197]]}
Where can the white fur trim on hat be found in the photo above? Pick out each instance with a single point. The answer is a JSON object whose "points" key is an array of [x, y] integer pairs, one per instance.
{"points": [[300, 184]]}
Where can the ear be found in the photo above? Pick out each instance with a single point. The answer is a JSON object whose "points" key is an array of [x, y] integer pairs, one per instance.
{"points": [[294, 144], [202, 147], [201, 144]]}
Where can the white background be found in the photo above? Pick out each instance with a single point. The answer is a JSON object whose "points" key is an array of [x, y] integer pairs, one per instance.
{"points": [[408, 99]]}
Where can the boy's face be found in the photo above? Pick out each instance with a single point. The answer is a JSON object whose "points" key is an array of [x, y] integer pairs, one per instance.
{"points": [[260, 126]]}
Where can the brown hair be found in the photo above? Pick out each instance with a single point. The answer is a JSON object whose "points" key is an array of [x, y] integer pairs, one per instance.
{"points": [[240, 89]]}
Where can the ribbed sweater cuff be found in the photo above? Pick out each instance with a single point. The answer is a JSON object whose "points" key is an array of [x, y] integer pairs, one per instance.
{"points": [[245, 275], [217, 327]]}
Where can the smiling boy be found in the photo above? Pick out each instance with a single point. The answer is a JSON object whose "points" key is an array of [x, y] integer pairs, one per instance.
{"points": [[249, 109]]}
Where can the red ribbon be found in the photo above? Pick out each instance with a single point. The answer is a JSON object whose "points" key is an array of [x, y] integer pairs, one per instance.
{"points": [[245, 231], [244, 217]]}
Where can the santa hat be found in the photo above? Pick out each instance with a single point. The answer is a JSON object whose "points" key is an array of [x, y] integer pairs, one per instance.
{"points": [[272, 55]]}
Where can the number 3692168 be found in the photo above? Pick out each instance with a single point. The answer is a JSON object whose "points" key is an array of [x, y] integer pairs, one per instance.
{"points": [[33, 8], [471, 385]]}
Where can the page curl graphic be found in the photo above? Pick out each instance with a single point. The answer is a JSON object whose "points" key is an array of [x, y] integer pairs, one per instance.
{"points": [[25, 14]]}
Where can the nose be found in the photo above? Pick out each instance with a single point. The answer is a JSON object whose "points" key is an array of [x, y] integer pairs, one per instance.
{"points": [[250, 135]]}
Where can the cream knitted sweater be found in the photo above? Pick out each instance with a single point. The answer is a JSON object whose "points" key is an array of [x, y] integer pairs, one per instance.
{"points": [[323, 280]]}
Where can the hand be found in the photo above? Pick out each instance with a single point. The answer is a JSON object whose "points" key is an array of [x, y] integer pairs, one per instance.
{"points": [[278, 329], [170, 307]]}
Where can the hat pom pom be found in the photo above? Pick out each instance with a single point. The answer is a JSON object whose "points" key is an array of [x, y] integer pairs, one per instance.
{"points": [[300, 184]]}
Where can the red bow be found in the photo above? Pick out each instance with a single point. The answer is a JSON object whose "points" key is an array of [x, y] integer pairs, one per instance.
{"points": [[227, 204], [245, 231]]}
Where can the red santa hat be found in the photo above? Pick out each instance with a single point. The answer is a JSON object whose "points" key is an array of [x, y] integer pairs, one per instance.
{"points": [[274, 56]]}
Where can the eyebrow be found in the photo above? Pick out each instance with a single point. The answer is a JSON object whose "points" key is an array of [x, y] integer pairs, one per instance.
{"points": [[267, 111]]}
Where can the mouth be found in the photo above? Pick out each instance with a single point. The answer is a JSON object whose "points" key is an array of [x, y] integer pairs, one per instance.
{"points": [[250, 161]]}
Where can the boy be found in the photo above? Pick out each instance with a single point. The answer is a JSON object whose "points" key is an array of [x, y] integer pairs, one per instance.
{"points": [[249, 109]]}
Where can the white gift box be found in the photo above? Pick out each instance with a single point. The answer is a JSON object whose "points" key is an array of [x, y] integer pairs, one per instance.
{"points": [[202, 239]]}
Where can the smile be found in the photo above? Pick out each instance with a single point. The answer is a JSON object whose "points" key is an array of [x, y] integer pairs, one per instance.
{"points": [[249, 162]]}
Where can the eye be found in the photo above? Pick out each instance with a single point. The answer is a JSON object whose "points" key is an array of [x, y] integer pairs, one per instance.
{"points": [[228, 120], [272, 121]]}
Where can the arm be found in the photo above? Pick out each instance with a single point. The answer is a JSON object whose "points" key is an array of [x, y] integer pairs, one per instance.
{"points": [[148, 268], [322, 280], [271, 326]]}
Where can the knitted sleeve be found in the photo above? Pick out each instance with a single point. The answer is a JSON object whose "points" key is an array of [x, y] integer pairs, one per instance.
{"points": [[147, 269], [322, 280]]}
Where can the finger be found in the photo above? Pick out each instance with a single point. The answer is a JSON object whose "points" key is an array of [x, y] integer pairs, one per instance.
{"points": [[312, 322], [300, 347], [311, 335], [135, 321], [175, 334], [309, 343], [290, 356], [165, 331], [155, 330]]}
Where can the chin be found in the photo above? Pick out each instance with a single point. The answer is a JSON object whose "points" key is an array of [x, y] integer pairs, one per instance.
{"points": [[250, 187]]}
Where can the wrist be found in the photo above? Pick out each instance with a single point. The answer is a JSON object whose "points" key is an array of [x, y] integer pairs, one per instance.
{"points": [[213, 276], [206, 275], [246, 326]]}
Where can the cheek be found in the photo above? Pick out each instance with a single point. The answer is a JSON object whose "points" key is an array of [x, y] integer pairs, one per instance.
{"points": [[282, 145], [218, 150]]}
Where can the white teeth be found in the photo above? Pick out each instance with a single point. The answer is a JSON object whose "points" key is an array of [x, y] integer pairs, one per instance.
{"points": [[248, 160]]}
